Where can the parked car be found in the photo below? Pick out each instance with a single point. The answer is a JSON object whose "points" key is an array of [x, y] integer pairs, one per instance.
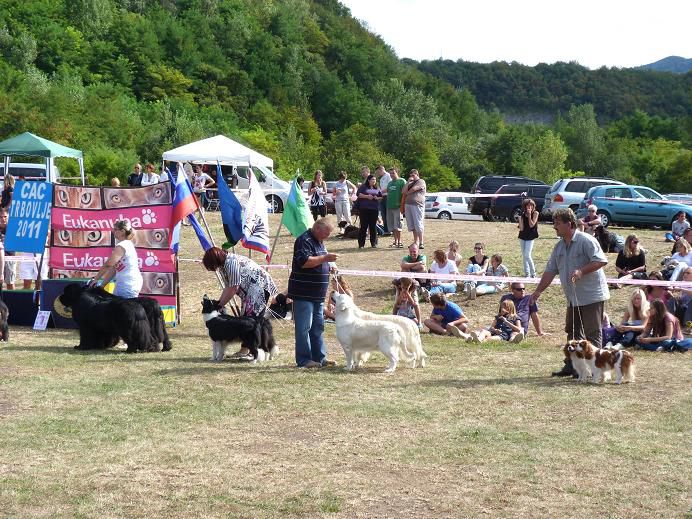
{"points": [[509, 207], [489, 184], [569, 192], [28, 171], [632, 205], [683, 198], [446, 206]]}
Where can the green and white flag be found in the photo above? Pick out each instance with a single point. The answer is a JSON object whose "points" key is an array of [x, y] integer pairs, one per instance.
{"points": [[296, 218]]}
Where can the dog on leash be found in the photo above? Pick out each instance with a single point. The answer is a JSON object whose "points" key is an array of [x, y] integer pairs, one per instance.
{"points": [[412, 338], [358, 336], [254, 333], [602, 361], [578, 361]]}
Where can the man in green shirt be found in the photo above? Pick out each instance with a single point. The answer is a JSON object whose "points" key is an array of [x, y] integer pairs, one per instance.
{"points": [[394, 188]]}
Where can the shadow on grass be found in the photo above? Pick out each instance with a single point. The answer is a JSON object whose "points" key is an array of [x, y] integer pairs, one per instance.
{"points": [[538, 381]]}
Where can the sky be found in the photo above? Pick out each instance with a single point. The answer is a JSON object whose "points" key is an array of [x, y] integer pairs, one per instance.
{"points": [[595, 33]]}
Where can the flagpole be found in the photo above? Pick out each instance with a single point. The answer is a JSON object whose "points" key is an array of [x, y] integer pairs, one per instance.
{"points": [[276, 239]]}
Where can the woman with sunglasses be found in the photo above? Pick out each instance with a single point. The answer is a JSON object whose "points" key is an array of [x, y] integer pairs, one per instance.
{"points": [[631, 261], [590, 221]]}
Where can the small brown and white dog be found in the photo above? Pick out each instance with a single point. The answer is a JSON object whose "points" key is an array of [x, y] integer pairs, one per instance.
{"points": [[602, 362], [578, 362]]}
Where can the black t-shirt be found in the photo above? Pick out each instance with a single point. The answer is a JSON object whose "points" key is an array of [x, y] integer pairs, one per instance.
{"points": [[528, 233], [630, 263]]}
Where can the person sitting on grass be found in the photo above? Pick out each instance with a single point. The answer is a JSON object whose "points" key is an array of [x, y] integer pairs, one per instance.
{"points": [[592, 220], [634, 319], [413, 261], [453, 253], [609, 241], [506, 326], [662, 330], [678, 228], [496, 269], [478, 264], [631, 261], [654, 292], [405, 303], [447, 318], [441, 265], [338, 286]]}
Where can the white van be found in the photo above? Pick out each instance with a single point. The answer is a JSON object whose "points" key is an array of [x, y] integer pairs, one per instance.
{"points": [[276, 191], [28, 171]]}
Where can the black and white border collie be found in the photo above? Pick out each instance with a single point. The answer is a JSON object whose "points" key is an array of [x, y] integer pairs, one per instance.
{"points": [[254, 333]]}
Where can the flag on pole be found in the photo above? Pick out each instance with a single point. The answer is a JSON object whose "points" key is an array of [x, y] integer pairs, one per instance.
{"points": [[184, 204], [204, 242], [296, 218], [231, 211], [255, 224]]}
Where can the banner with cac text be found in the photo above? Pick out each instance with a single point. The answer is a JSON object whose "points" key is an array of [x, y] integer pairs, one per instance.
{"points": [[27, 228], [82, 222]]}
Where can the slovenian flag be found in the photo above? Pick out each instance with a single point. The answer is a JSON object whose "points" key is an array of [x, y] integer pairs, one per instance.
{"points": [[231, 211], [184, 204], [255, 224]]}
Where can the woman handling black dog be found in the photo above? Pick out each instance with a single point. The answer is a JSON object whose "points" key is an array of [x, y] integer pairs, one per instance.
{"points": [[122, 263], [244, 278]]}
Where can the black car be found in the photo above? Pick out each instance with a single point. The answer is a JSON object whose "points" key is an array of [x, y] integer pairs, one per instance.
{"points": [[489, 184], [509, 207]]}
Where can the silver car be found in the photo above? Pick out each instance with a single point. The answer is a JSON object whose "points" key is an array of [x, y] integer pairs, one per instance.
{"points": [[446, 206], [569, 192]]}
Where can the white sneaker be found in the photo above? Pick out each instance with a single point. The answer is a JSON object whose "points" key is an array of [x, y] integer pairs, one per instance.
{"points": [[465, 336], [456, 332], [474, 337], [518, 338]]}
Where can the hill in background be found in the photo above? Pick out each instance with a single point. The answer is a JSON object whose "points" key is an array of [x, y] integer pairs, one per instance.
{"points": [[674, 64]]}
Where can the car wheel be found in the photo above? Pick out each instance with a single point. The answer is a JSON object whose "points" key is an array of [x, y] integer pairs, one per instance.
{"points": [[444, 215], [275, 204], [516, 214], [605, 218]]}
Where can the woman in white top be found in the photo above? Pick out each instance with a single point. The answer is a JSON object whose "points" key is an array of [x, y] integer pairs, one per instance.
{"points": [[149, 177], [683, 256], [122, 263], [443, 265], [341, 193]]}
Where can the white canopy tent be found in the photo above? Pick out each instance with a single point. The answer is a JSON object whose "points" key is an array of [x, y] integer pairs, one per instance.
{"points": [[221, 149]]}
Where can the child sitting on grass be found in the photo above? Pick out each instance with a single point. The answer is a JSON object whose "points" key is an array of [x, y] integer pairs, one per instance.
{"points": [[505, 327], [446, 318], [405, 304]]}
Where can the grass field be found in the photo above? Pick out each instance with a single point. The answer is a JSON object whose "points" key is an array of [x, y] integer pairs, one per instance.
{"points": [[482, 431]]}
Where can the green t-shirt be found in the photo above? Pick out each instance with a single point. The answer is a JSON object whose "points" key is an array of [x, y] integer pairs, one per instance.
{"points": [[394, 189], [421, 258]]}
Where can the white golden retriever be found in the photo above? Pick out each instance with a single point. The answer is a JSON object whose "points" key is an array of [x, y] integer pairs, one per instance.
{"points": [[413, 342], [357, 335]]}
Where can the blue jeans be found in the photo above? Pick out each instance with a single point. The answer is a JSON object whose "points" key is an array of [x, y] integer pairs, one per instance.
{"points": [[447, 288], [309, 325], [526, 250]]}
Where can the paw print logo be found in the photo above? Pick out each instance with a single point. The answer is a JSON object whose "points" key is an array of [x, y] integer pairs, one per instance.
{"points": [[148, 216], [151, 259]]}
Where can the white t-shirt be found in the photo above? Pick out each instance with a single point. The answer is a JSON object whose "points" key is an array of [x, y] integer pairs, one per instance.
{"points": [[149, 179], [128, 278], [199, 181], [687, 258], [448, 268], [384, 180], [341, 191], [680, 227]]}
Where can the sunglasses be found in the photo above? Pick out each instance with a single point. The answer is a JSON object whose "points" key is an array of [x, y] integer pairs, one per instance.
{"points": [[635, 241], [519, 288], [478, 248]]}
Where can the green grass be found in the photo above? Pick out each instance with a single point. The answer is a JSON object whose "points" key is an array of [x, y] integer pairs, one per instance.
{"points": [[483, 430]]}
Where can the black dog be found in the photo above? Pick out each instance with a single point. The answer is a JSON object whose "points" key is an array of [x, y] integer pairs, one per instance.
{"points": [[254, 333], [104, 319]]}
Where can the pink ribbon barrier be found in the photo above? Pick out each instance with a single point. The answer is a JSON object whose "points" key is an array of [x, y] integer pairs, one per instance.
{"points": [[394, 274]]}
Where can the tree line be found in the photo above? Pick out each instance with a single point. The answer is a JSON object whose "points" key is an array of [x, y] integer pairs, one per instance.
{"points": [[305, 83]]}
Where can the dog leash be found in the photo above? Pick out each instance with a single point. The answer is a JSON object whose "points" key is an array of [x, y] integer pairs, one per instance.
{"points": [[578, 311]]}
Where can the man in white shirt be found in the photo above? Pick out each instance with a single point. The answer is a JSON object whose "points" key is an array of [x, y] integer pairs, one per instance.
{"points": [[385, 178]]}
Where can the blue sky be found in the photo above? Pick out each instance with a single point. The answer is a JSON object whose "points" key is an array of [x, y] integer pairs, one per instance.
{"points": [[595, 33]]}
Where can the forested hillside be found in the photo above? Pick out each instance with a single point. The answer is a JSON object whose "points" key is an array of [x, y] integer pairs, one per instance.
{"points": [[304, 83]]}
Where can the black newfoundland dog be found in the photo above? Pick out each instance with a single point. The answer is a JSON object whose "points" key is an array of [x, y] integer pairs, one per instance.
{"points": [[104, 319]]}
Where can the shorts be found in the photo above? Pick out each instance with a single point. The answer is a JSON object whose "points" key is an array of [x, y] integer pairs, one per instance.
{"points": [[10, 272], [414, 218], [394, 219]]}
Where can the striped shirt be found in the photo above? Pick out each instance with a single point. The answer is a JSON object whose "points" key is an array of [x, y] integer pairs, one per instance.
{"points": [[308, 283]]}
